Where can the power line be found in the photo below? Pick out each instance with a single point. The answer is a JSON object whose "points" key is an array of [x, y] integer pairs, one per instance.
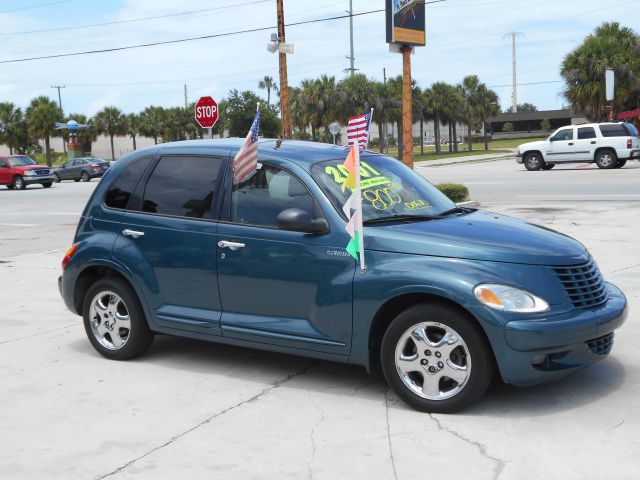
{"points": [[201, 37], [30, 7], [141, 19], [529, 83]]}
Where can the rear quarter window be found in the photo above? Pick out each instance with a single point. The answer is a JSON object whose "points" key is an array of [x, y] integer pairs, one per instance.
{"points": [[614, 131], [121, 189]]}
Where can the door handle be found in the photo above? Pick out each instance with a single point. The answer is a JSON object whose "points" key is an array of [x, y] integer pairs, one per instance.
{"points": [[132, 233], [231, 245], [571, 143], [593, 143]]}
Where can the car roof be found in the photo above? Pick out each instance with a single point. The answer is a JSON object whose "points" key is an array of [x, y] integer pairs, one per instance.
{"points": [[302, 152]]}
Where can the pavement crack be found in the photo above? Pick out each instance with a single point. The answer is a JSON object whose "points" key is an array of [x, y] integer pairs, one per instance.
{"points": [[312, 437], [625, 269], [619, 424], [39, 334], [393, 461], [499, 463], [175, 438]]}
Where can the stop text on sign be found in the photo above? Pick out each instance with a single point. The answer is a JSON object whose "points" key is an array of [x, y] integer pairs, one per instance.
{"points": [[206, 112]]}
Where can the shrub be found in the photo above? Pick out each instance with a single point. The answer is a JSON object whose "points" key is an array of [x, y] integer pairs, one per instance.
{"points": [[545, 124], [455, 191], [507, 127]]}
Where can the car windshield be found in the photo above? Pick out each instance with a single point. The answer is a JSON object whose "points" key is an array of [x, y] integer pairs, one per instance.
{"points": [[390, 190], [21, 161]]}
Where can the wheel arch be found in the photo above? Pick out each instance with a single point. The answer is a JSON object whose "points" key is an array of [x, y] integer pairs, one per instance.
{"points": [[396, 305], [89, 276], [600, 149], [528, 152]]}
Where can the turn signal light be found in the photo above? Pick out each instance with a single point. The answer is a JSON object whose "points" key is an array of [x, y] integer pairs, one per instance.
{"points": [[69, 254]]}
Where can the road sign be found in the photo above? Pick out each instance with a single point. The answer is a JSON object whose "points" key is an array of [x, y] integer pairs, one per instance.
{"points": [[334, 128], [206, 112]]}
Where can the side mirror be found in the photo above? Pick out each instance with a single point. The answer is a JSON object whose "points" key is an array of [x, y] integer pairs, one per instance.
{"points": [[300, 220]]}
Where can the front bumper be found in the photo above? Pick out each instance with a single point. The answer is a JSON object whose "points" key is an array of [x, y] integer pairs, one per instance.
{"points": [[30, 180], [519, 157], [548, 348]]}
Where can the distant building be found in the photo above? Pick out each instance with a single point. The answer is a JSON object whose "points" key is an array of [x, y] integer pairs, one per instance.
{"points": [[528, 124]]}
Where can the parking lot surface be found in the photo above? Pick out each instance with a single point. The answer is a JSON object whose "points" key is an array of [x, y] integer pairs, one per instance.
{"points": [[194, 410]]}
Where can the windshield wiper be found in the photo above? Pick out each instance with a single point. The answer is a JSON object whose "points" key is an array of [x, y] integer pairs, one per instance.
{"points": [[393, 218], [451, 211]]}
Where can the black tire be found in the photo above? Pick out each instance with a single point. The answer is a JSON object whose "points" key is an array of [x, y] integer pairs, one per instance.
{"points": [[47, 184], [548, 166], [138, 336], [76, 179], [606, 159], [472, 351], [84, 176], [621, 163], [533, 161], [19, 183], [56, 178], [10, 187]]}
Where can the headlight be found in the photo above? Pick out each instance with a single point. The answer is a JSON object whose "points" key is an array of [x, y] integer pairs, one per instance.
{"points": [[29, 173], [509, 299]]}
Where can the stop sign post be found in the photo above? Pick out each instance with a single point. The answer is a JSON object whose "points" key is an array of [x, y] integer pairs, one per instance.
{"points": [[206, 113]]}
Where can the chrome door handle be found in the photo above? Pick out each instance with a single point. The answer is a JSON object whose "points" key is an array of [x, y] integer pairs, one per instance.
{"points": [[230, 245], [132, 233]]}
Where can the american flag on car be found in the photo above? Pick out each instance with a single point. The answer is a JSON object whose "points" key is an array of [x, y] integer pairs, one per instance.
{"points": [[246, 161], [358, 130]]}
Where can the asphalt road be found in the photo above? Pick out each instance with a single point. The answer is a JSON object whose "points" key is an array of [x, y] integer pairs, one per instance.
{"points": [[196, 410]]}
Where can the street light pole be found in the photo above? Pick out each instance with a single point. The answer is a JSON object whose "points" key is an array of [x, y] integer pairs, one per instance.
{"points": [[284, 89], [64, 145]]}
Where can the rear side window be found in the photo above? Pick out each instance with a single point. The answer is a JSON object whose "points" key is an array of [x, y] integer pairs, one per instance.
{"points": [[122, 188], [616, 130], [586, 133], [184, 186]]}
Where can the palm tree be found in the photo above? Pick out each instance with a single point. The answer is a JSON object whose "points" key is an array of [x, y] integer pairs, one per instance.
{"points": [[488, 106], [268, 84], [470, 87], [384, 103], [152, 122], [14, 126], [583, 70], [42, 115], [111, 121], [132, 127], [440, 92]]}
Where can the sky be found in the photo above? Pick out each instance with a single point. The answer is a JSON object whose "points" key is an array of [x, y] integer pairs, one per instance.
{"points": [[464, 37]]}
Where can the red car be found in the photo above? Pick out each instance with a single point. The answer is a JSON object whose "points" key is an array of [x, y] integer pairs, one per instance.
{"points": [[18, 171]]}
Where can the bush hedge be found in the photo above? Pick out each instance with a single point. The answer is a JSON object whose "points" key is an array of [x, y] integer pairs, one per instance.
{"points": [[455, 191]]}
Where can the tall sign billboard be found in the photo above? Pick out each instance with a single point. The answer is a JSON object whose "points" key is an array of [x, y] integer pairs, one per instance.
{"points": [[406, 22]]}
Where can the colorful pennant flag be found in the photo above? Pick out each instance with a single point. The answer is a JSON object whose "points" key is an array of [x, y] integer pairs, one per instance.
{"points": [[353, 208]]}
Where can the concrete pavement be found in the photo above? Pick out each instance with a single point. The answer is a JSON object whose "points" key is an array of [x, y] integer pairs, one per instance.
{"points": [[197, 410]]}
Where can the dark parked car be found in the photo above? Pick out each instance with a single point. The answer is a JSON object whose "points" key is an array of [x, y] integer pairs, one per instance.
{"points": [[82, 169], [452, 296], [18, 171]]}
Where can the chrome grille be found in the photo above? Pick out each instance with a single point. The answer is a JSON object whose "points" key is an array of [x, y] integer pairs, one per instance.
{"points": [[584, 284], [43, 171], [601, 345]]}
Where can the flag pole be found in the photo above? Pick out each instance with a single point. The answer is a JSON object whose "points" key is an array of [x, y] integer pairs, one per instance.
{"points": [[363, 266]]}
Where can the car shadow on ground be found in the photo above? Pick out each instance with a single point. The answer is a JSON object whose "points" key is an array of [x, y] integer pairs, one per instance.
{"points": [[579, 389]]}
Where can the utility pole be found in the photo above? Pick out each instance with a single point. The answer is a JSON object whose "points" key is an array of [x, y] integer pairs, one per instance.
{"points": [[186, 103], [352, 57], [514, 94], [64, 145], [384, 125], [407, 120], [284, 89]]}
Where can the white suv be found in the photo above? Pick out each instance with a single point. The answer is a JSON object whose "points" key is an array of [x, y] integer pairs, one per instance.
{"points": [[609, 145]]}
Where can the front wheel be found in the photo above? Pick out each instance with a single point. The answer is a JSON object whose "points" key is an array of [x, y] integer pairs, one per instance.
{"points": [[606, 159], [47, 184], [533, 161], [85, 177], [56, 178], [19, 183], [114, 320], [436, 359]]}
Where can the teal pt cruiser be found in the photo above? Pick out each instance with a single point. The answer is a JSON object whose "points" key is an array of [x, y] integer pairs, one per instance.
{"points": [[451, 296]]}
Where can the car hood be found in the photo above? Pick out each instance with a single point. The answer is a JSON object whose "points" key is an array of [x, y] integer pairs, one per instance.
{"points": [[478, 236], [24, 168], [539, 145]]}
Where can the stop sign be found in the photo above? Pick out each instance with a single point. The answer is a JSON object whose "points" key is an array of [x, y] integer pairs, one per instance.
{"points": [[206, 112]]}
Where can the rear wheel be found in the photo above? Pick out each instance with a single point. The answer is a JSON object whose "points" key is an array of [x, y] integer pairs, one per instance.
{"points": [[19, 183], [84, 176], [436, 359], [548, 166], [533, 161], [76, 179], [621, 163], [47, 184], [114, 320], [606, 159]]}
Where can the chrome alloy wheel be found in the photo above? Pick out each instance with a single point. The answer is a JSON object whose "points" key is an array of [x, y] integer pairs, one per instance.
{"points": [[606, 160], [109, 319], [433, 361]]}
